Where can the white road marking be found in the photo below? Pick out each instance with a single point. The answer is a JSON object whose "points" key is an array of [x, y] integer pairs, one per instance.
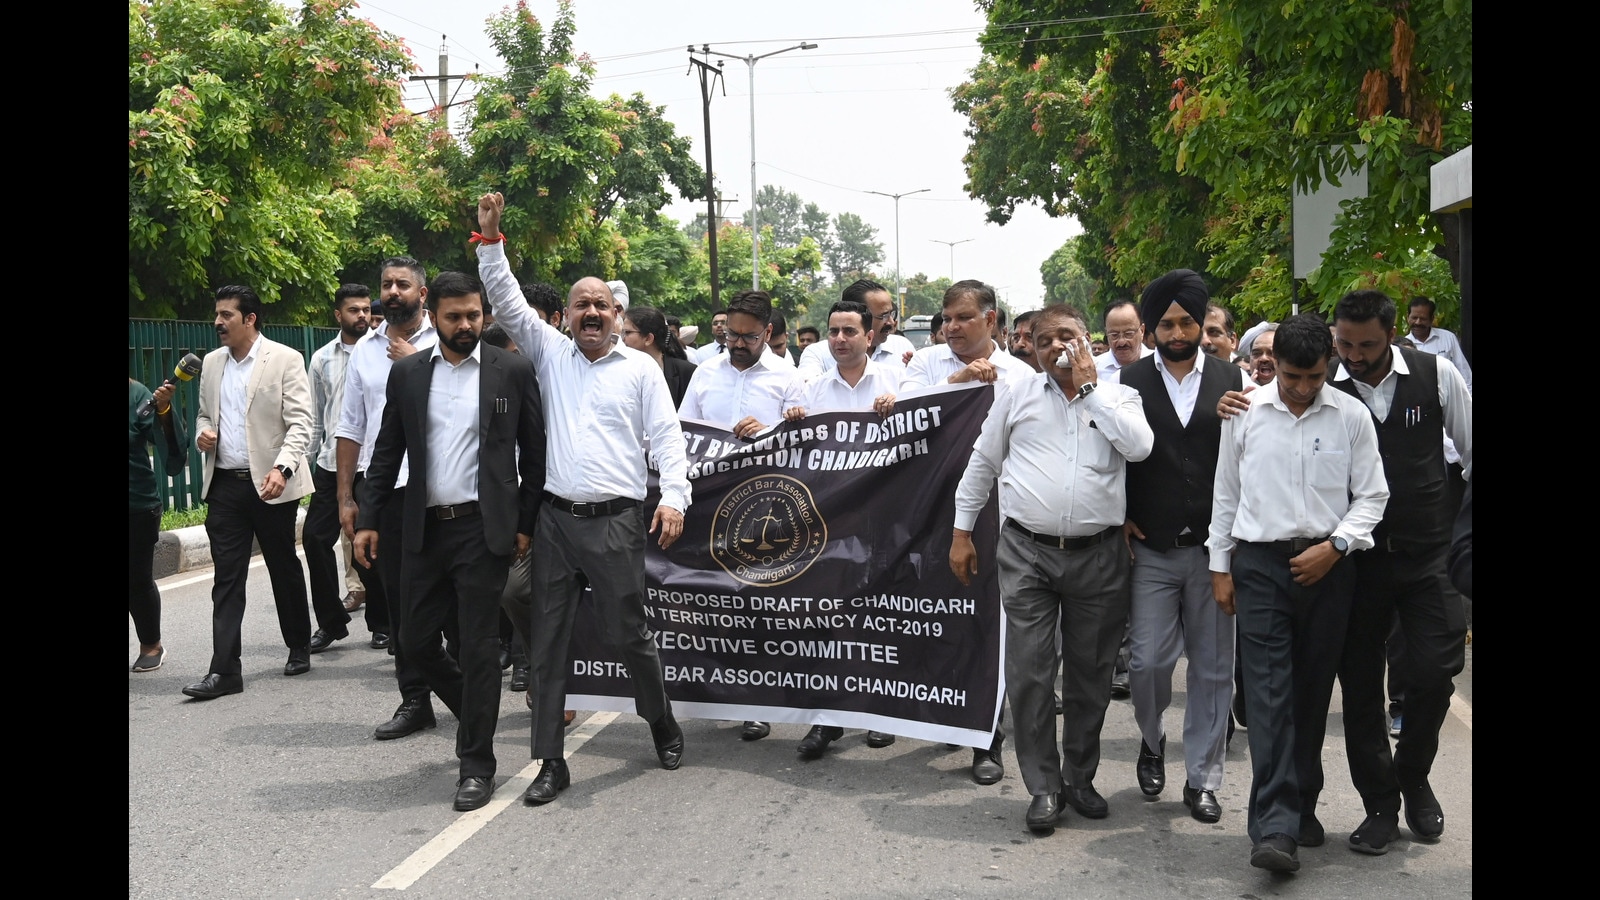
{"points": [[445, 842], [1462, 710], [256, 562]]}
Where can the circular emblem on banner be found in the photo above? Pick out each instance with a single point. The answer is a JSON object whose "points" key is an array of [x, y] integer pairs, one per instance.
{"points": [[768, 531]]}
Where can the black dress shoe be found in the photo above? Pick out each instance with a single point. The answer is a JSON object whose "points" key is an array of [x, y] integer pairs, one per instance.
{"points": [[1151, 768], [817, 740], [215, 685], [380, 640], [473, 792], [1312, 834], [1275, 853], [879, 739], [669, 741], [1120, 689], [505, 655], [411, 717], [299, 662], [1044, 812], [553, 778], [323, 639], [519, 678], [1375, 833], [754, 731], [1202, 804], [986, 765], [1424, 816], [1086, 800]]}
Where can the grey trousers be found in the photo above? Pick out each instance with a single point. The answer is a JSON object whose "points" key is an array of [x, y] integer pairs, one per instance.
{"points": [[609, 551], [1082, 597], [1174, 612]]}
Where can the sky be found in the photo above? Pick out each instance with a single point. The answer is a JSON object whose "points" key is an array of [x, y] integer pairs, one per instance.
{"points": [[867, 110]]}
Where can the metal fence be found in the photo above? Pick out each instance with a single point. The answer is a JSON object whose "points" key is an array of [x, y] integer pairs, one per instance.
{"points": [[154, 348]]}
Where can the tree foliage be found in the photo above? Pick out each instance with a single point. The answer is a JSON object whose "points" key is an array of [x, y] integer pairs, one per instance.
{"points": [[1176, 130], [1065, 280], [241, 114]]}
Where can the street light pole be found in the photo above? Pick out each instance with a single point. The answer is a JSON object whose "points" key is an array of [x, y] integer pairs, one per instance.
{"points": [[952, 246], [755, 219], [901, 296]]}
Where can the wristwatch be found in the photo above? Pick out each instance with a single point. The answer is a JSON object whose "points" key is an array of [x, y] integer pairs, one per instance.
{"points": [[1340, 545], [1087, 389], [285, 471]]}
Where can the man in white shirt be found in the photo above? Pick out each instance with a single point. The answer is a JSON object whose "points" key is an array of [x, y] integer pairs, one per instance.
{"points": [[1436, 340], [746, 389], [468, 419], [406, 329], [856, 382], [1125, 334], [719, 331], [603, 401], [1022, 340], [352, 310], [887, 349], [1219, 339], [969, 352], [1059, 443], [1299, 485]]}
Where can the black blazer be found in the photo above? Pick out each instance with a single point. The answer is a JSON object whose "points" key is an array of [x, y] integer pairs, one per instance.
{"points": [[678, 372], [510, 419]]}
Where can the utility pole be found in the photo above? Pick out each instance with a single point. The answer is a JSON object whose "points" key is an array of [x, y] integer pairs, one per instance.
{"points": [[899, 294], [708, 75], [952, 246], [442, 103], [755, 217]]}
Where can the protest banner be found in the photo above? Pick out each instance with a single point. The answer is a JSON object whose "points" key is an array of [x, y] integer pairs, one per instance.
{"points": [[812, 584]]}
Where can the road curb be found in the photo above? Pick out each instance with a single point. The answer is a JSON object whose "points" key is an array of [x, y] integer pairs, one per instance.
{"points": [[183, 549]]}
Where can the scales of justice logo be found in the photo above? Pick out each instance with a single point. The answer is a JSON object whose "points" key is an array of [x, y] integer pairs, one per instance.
{"points": [[768, 531]]}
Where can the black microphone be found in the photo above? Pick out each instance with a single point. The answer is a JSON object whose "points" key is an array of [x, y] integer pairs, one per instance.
{"points": [[186, 369]]}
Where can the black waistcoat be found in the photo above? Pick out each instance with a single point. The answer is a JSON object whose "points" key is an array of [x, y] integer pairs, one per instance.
{"points": [[1411, 441], [1171, 489]]}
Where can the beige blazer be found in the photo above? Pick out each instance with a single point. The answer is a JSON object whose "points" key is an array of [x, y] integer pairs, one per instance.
{"points": [[277, 421]]}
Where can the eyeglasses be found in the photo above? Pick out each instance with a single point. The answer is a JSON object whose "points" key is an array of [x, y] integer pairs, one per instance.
{"points": [[1122, 335], [626, 332], [734, 337]]}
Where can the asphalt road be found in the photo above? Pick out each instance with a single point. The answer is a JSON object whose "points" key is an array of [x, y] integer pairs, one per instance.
{"points": [[282, 792]]}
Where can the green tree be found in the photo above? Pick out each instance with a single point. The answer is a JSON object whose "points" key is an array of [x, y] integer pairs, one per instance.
{"points": [[1065, 281], [852, 252], [241, 114], [780, 211]]}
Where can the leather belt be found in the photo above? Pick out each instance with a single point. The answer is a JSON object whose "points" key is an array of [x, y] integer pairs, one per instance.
{"points": [[591, 510], [241, 474], [1062, 543], [1188, 540], [1292, 546], [454, 511]]}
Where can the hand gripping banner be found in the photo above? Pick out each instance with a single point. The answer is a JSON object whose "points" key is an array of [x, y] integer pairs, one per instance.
{"points": [[812, 582]]}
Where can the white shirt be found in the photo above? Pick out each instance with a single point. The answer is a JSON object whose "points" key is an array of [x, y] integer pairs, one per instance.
{"points": [[722, 395], [935, 364], [366, 389], [1454, 399], [712, 350], [1444, 343], [1062, 464], [817, 360], [1107, 367], [1183, 394], [597, 415], [328, 366], [453, 407], [832, 392], [233, 449], [1281, 477]]}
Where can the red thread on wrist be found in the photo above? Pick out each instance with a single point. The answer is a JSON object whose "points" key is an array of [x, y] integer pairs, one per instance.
{"points": [[480, 239]]}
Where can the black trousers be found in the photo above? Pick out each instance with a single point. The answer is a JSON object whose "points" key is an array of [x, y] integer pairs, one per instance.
{"points": [[236, 516], [391, 538], [378, 617], [318, 537], [1412, 587], [455, 576], [144, 598], [1291, 639], [609, 551]]}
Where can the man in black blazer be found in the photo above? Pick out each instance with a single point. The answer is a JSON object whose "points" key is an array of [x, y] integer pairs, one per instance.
{"points": [[1169, 518], [469, 418]]}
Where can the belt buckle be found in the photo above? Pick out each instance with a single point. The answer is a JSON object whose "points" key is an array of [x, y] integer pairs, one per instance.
{"points": [[584, 510], [1061, 541]]}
